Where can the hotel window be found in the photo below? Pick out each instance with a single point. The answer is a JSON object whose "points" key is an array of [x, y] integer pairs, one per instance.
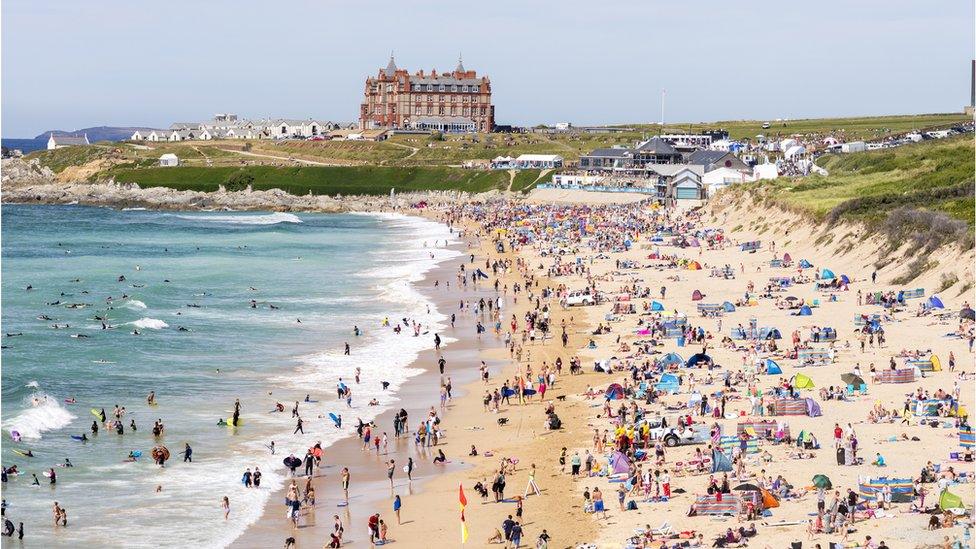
{"points": [[440, 88], [430, 87], [454, 88]]}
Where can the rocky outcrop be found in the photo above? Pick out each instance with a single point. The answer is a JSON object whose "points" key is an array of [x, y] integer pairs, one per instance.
{"points": [[18, 170]]}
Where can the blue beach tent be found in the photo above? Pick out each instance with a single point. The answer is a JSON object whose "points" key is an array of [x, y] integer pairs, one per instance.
{"points": [[669, 383], [672, 358], [804, 264], [805, 311], [696, 358], [936, 303], [772, 368], [844, 279], [728, 307], [657, 306], [827, 274]]}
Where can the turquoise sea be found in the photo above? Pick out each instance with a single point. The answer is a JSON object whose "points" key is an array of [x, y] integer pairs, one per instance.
{"points": [[175, 293]]}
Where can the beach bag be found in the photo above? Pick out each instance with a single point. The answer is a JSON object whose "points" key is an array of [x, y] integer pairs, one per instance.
{"points": [[631, 505], [840, 456]]}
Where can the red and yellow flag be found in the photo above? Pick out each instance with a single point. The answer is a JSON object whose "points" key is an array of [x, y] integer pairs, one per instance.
{"points": [[464, 502]]}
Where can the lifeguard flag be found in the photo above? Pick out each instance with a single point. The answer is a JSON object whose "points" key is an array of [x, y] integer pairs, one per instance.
{"points": [[464, 502]]}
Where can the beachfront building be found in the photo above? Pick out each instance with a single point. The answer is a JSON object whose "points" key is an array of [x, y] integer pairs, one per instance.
{"points": [[607, 159], [62, 141], [712, 160], [396, 99], [230, 126], [539, 161], [445, 124]]}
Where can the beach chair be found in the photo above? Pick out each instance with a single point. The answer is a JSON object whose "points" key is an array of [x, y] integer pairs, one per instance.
{"points": [[663, 530], [850, 390], [863, 389]]}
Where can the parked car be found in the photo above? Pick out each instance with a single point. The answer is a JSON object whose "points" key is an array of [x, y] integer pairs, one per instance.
{"points": [[580, 298], [678, 436]]}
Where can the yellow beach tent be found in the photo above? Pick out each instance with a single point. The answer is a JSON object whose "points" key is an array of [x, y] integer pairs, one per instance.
{"points": [[803, 382]]}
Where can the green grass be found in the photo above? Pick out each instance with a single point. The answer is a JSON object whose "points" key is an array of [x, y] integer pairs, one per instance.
{"points": [[59, 159], [319, 180], [525, 180], [933, 175]]}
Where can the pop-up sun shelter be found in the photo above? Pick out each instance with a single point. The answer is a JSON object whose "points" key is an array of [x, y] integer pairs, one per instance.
{"points": [[935, 303], [804, 264], [614, 392], [801, 381], [619, 462], [672, 358], [805, 311], [657, 306], [772, 368], [669, 383], [697, 359], [827, 274], [728, 307], [697, 295]]}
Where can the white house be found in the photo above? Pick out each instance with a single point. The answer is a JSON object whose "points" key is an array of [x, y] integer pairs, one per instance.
{"points": [[169, 160], [62, 141], [720, 178], [539, 161], [765, 171]]}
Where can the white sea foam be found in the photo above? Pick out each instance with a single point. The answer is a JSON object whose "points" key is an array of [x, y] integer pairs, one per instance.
{"points": [[267, 219], [134, 304], [42, 413], [149, 323]]}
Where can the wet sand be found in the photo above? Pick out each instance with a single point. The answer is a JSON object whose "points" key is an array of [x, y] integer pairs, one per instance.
{"points": [[369, 490]]}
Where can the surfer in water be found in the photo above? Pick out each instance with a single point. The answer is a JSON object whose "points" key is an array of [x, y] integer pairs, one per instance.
{"points": [[151, 399]]}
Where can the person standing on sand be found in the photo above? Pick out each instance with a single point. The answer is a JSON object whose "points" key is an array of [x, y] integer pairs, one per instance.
{"points": [[389, 473], [344, 476], [531, 484], [396, 507], [225, 505]]}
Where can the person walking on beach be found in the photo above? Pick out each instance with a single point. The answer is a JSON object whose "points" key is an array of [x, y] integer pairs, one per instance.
{"points": [[531, 484], [225, 505], [409, 469], [298, 427], [389, 473], [187, 453], [309, 462], [396, 507]]}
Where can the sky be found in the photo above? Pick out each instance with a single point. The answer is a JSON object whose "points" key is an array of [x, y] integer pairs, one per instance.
{"points": [[68, 64]]}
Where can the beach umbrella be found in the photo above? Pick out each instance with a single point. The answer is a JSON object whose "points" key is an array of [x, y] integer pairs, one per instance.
{"points": [[792, 298], [698, 358], [748, 487], [821, 481], [852, 379]]}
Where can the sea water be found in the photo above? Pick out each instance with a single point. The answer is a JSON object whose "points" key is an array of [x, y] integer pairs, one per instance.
{"points": [[175, 291]]}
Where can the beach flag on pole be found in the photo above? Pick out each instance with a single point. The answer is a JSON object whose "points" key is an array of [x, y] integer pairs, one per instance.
{"points": [[464, 502]]}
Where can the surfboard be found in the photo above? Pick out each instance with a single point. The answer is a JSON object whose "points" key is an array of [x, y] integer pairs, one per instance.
{"points": [[136, 453], [21, 452], [77, 437], [47, 474], [96, 413], [335, 418], [342, 504], [226, 423]]}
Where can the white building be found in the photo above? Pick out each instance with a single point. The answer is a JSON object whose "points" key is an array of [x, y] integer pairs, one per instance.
{"points": [[687, 185], [539, 161], [720, 178], [62, 141], [169, 160], [765, 171]]}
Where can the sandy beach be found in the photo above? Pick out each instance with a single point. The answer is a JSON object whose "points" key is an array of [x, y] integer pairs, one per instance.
{"points": [[430, 505]]}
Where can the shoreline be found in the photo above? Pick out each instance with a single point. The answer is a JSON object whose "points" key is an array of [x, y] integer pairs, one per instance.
{"points": [[369, 492]]}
